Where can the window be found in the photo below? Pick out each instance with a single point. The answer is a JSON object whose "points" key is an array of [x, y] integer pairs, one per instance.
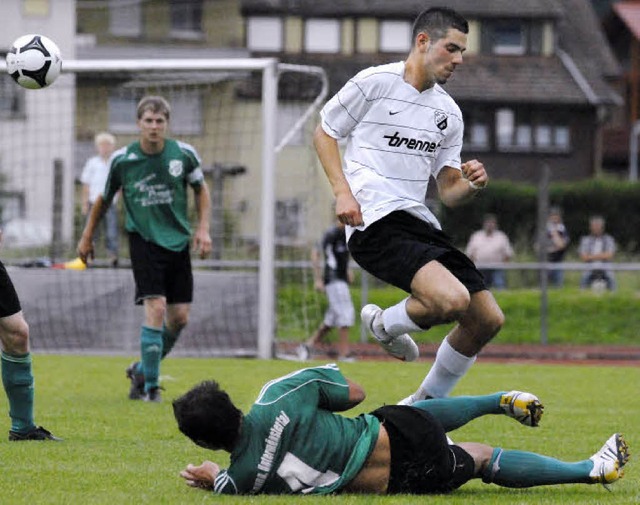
{"points": [[125, 18], [186, 18], [322, 36], [186, 111], [36, 7], [531, 131], [395, 36], [476, 129], [509, 37], [12, 99], [264, 34]]}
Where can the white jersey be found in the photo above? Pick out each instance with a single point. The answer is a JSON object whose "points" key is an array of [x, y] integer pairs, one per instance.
{"points": [[94, 174], [397, 138]]}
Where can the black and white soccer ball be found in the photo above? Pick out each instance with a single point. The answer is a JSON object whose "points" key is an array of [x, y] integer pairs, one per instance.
{"points": [[34, 61]]}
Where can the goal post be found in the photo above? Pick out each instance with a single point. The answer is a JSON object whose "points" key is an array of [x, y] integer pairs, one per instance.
{"points": [[254, 79]]}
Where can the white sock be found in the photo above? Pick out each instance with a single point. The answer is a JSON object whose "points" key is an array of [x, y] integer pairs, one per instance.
{"points": [[449, 367], [397, 321]]}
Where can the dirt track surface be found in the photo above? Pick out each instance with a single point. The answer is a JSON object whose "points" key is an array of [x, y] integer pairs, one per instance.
{"points": [[526, 353]]}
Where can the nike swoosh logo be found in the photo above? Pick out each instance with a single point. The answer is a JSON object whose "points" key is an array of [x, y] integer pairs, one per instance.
{"points": [[393, 113]]}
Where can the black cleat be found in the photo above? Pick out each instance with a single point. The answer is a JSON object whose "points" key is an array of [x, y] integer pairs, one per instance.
{"points": [[136, 392], [153, 395], [37, 433]]}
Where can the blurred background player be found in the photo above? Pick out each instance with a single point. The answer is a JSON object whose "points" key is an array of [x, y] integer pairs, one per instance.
{"points": [[93, 178], [333, 279], [17, 376], [154, 173]]}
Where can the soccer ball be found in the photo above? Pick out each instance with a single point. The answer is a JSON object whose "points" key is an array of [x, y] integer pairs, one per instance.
{"points": [[34, 61]]}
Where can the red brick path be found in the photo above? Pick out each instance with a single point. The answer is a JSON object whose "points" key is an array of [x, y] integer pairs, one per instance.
{"points": [[533, 353]]}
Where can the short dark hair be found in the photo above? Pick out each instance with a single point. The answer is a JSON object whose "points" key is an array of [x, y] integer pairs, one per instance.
{"points": [[156, 104], [436, 21], [208, 417]]}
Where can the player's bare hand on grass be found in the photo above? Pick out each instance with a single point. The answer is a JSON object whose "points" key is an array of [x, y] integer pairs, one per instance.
{"points": [[201, 476]]}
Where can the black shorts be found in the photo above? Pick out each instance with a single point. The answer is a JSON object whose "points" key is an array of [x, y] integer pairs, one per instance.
{"points": [[394, 248], [160, 272], [422, 462], [9, 301]]}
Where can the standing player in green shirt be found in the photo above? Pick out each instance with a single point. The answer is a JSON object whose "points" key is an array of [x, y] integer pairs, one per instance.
{"points": [[292, 442], [154, 173]]}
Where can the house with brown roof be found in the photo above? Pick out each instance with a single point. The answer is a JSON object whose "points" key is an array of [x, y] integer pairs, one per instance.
{"points": [[621, 22], [535, 86]]}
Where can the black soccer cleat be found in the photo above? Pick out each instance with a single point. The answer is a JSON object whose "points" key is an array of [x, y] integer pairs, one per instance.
{"points": [[37, 433], [153, 395], [136, 392]]}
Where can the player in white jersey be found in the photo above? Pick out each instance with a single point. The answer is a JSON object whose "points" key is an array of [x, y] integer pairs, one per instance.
{"points": [[402, 129]]}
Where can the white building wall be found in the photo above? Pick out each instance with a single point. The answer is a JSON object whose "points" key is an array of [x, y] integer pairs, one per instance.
{"points": [[29, 145]]}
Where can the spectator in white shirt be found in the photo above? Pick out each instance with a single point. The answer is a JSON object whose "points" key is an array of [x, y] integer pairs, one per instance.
{"points": [[93, 179]]}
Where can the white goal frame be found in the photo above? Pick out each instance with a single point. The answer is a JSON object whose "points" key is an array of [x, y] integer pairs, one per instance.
{"points": [[270, 69]]}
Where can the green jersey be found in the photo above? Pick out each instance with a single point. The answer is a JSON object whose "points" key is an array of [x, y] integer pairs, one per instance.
{"points": [[154, 190], [292, 442]]}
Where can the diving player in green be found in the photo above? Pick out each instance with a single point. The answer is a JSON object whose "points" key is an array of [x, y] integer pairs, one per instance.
{"points": [[292, 442], [153, 174]]}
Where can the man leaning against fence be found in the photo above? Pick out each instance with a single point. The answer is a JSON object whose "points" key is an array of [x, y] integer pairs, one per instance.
{"points": [[154, 173]]}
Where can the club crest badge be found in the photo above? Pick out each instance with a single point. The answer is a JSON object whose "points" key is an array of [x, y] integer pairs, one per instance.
{"points": [[441, 120], [175, 168]]}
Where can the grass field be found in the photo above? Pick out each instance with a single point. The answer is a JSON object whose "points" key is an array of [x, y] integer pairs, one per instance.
{"points": [[121, 452]]}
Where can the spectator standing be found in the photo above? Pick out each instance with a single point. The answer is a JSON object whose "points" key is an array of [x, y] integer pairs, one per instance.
{"points": [[598, 249], [557, 243], [490, 245], [333, 280], [93, 179]]}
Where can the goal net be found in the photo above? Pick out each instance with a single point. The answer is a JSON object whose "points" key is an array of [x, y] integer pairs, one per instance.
{"points": [[251, 121]]}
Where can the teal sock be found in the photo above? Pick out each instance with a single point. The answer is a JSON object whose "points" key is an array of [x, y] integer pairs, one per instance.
{"points": [[527, 469], [17, 380], [456, 411], [151, 351], [169, 339]]}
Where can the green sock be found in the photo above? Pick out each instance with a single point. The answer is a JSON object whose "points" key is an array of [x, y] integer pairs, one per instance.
{"points": [[17, 380], [527, 469], [151, 351], [456, 411], [169, 339]]}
